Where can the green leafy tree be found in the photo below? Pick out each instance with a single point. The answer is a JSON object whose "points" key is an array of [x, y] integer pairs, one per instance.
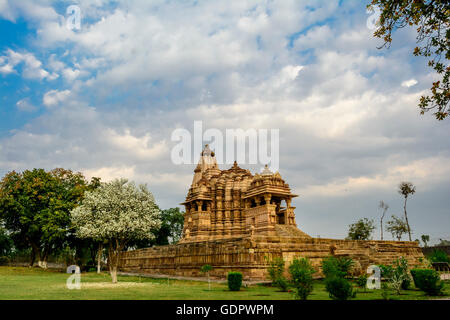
{"points": [[170, 232], [116, 213], [171, 227], [406, 189], [361, 230], [397, 227], [384, 207], [35, 206], [425, 238], [438, 256], [6, 243], [431, 20]]}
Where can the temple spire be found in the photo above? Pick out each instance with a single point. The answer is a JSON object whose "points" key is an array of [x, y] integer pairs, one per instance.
{"points": [[207, 161]]}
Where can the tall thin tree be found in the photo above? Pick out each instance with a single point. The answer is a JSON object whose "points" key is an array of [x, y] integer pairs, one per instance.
{"points": [[406, 189], [383, 206]]}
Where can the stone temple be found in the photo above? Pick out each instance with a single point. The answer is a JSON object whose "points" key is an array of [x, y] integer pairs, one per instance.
{"points": [[236, 221], [226, 204]]}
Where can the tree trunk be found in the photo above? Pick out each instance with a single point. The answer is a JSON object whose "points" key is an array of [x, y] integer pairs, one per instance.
{"points": [[43, 258], [113, 272], [209, 283], [113, 258], [33, 257], [381, 228], [406, 218], [99, 257], [35, 252]]}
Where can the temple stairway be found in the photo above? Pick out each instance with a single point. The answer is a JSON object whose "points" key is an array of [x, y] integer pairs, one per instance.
{"points": [[284, 230]]}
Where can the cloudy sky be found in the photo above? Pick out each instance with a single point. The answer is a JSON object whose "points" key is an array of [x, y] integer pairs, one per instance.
{"points": [[105, 99]]}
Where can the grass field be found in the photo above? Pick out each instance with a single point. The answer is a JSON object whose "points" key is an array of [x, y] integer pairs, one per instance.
{"points": [[34, 283]]}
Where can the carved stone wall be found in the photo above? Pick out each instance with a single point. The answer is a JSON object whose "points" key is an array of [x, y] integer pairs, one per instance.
{"points": [[247, 255]]}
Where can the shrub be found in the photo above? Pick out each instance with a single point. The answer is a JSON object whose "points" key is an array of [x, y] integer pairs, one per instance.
{"points": [[275, 272], [385, 291], [282, 284], [301, 272], [339, 267], [275, 269], [438, 256], [397, 275], [234, 281], [339, 288], [402, 268], [361, 281], [386, 271], [4, 261], [427, 280]]}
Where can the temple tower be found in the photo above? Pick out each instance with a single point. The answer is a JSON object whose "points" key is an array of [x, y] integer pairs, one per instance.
{"points": [[223, 204]]}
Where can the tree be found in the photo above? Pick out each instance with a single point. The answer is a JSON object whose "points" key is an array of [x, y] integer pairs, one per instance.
{"points": [[406, 189], [116, 213], [443, 242], [431, 18], [397, 227], [172, 226], [6, 243], [384, 207], [361, 230], [207, 269], [425, 239], [35, 206]]}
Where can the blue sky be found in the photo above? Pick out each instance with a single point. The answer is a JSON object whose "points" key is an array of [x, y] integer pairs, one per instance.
{"points": [[105, 99]]}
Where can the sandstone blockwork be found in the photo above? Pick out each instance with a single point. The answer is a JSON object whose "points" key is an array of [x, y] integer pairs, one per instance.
{"points": [[235, 221]]}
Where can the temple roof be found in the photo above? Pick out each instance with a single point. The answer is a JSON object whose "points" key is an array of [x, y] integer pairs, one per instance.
{"points": [[208, 177]]}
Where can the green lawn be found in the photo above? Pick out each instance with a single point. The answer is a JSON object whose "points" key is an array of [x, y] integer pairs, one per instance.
{"points": [[34, 283]]}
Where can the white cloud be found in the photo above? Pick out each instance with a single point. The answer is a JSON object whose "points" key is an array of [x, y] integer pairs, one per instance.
{"points": [[140, 147], [25, 105], [32, 67], [409, 83], [55, 97]]}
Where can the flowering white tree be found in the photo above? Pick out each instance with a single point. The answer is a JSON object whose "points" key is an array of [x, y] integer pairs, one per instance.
{"points": [[116, 213]]}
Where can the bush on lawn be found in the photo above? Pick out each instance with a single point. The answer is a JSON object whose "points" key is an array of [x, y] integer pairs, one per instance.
{"points": [[361, 281], [397, 275], [234, 281], [282, 284], [301, 272], [275, 272], [339, 288], [428, 280], [336, 267], [275, 269], [438, 256]]}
